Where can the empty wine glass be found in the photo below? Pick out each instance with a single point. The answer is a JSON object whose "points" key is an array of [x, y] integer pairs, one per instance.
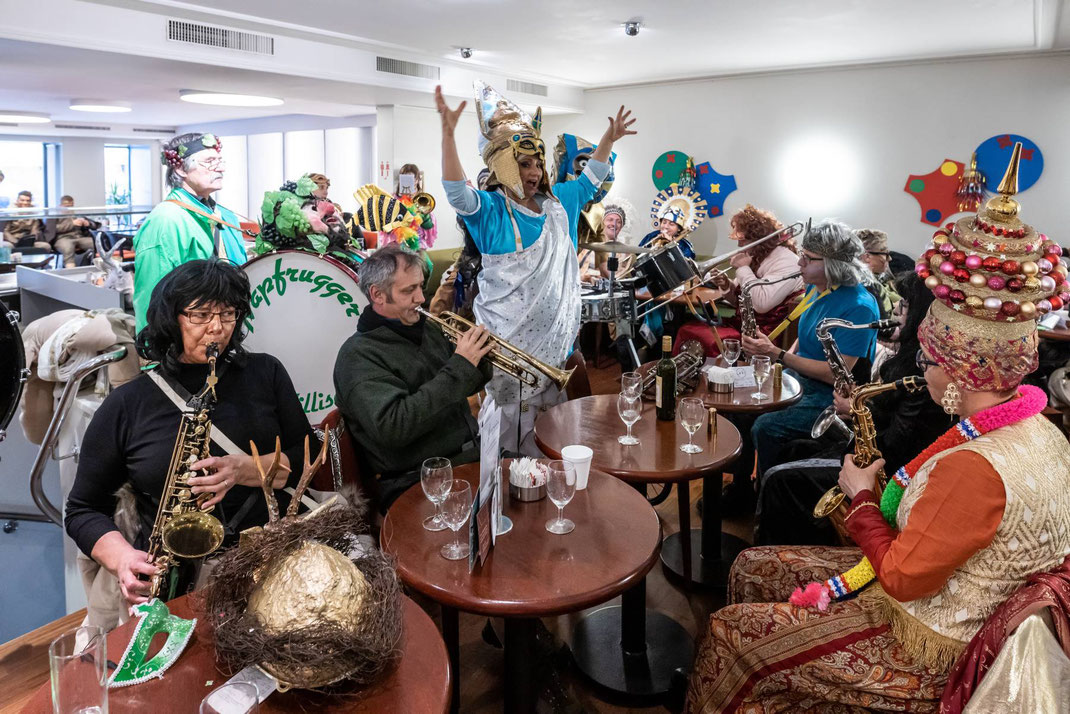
{"points": [[731, 351], [436, 477], [762, 367], [631, 383], [560, 487], [630, 410], [455, 511], [692, 415]]}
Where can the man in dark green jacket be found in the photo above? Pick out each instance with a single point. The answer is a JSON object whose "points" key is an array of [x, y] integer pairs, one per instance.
{"points": [[401, 386]]}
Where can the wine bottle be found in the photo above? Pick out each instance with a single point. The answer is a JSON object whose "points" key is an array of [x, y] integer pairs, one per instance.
{"points": [[665, 382]]}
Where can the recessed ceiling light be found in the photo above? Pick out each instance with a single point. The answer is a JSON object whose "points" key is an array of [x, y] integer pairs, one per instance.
{"points": [[228, 100], [99, 105], [13, 117]]}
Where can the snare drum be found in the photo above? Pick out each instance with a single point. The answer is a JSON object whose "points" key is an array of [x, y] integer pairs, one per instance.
{"points": [[595, 306], [665, 269], [304, 306], [13, 372]]}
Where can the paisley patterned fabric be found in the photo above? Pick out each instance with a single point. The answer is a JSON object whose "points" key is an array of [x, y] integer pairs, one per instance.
{"points": [[764, 655]]}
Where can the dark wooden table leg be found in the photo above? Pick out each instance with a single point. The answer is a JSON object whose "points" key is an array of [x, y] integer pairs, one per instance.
{"points": [[451, 635], [521, 693], [702, 557], [683, 500]]}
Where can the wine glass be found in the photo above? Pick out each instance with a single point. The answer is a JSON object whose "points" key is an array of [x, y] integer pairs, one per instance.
{"points": [[455, 511], [731, 352], [631, 383], [560, 487], [762, 366], [692, 415], [436, 476], [630, 410]]}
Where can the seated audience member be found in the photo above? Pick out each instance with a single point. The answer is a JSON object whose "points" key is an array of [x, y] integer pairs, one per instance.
{"points": [[24, 232], [133, 434], [401, 385], [878, 259], [788, 492], [835, 278], [70, 234], [973, 517]]}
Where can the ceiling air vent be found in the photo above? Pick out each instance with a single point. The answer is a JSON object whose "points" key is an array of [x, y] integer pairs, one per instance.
{"points": [[82, 127], [196, 33], [154, 131], [515, 85], [410, 69]]}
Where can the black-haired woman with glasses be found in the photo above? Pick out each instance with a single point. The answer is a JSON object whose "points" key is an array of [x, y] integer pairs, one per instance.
{"points": [[131, 437]]}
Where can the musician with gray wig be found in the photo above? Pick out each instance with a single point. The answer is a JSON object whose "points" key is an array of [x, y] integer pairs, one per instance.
{"points": [[836, 278]]}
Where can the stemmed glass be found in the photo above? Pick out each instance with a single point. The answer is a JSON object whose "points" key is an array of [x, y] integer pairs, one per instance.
{"points": [[692, 415], [232, 698], [561, 487], [455, 511], [731, 352], [436, 477], [631, 383], [762, 366], [630, 410]]}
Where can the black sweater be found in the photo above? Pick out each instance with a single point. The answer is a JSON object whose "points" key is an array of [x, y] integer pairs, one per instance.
{"points": [[132, 436]]}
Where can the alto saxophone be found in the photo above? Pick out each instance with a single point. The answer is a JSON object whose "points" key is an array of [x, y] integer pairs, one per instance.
{"points": [[183, 530], [833, 505], [748, 323]]}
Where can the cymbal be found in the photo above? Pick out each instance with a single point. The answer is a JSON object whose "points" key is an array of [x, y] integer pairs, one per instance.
{"points": [[615, 247]]}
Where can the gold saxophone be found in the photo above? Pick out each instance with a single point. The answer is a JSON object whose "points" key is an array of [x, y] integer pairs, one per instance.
{"points": [[506, 357], [748, 323], [833, 505], [182, 530]]}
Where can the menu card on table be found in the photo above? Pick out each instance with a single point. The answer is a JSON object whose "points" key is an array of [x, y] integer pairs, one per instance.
{"points": [[480, 535]]}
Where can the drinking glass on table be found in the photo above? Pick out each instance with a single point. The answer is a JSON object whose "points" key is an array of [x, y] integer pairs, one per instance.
{"points": [[731, 352], [455, 511], [232, 698], [560, 487], [631, 383], [762, 368], [630, 410], [692, 415], [78, 663], [436, 477]]}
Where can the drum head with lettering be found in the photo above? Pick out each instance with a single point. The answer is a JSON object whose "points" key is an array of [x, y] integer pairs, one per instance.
{"points": [[12, 366], [304, 306]]}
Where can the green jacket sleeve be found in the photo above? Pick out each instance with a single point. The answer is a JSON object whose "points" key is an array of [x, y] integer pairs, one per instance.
{"points": [[393, 416], [156, 245]]}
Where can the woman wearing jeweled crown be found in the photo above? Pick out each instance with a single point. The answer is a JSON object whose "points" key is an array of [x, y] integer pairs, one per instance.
{"points": [[526, 233], [956, 531]]}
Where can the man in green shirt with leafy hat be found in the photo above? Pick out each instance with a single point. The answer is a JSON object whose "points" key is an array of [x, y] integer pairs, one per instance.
{"points": [[188, 224]]}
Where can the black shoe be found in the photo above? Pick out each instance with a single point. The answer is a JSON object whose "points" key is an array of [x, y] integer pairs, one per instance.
{"points": [[490, 636], [738, 500]]}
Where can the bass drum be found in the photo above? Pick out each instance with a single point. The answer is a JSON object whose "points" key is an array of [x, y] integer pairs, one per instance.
{"points": [[13, 372], [304, 306]]}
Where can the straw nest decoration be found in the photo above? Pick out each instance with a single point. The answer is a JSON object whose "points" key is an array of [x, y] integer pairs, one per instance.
{"points": [[289, 599]]}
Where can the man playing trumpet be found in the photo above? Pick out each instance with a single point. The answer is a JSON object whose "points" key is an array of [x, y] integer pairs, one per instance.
{"points": [[403, 388]]}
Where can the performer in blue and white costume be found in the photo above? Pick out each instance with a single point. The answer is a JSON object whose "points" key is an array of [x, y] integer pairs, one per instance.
{"points": [[529, 285]]}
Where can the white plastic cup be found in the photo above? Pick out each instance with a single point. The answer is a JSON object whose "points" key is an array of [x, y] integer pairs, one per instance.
{"points": [[580, 457]]}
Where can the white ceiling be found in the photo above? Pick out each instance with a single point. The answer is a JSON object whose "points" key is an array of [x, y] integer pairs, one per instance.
{"points": [[583, 42]]}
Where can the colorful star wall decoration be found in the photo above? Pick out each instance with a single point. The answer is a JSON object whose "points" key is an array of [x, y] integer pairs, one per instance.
{"points": [[713, 187], [936, 191], [993, 155], [669, 168]]}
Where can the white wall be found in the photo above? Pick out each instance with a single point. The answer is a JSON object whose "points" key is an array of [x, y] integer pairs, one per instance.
{"points": [[894, 121]]}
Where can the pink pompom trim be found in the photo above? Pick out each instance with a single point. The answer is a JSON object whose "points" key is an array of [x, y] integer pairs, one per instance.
{"points": [[815, 595]]}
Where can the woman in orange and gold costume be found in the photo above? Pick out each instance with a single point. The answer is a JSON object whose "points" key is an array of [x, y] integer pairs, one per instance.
{"points": [[955, 532]]}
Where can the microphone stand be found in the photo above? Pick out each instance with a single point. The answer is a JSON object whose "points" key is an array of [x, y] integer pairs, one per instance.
{"points": [[625, 331]]}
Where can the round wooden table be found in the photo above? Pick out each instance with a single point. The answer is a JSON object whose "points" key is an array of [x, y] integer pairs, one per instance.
{"points": [[594, 422], [419, 682], [1058, 334], [529, 573]]}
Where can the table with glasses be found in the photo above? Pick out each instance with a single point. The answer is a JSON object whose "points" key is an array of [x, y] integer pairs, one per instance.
{"points": [[530, 572], [419, 682], [616, 657]]}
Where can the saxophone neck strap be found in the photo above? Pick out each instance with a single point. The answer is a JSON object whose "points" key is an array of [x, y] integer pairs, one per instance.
{"points": [[808, 301]]}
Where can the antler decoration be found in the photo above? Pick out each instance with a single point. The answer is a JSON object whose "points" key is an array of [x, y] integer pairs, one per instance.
{"points": [[310, 470], [267, 477]]}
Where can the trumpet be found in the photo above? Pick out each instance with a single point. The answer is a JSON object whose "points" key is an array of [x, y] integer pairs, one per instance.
{"points": [[509, 359], [424, 202]]}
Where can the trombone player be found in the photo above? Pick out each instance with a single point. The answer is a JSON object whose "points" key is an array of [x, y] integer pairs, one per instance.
{"points": [[403, 388]]}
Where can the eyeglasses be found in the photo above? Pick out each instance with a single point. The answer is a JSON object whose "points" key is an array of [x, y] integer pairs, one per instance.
{"points": [[879, 254], [806, 259], [924, 363], [203, 317], [212, 164]]}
